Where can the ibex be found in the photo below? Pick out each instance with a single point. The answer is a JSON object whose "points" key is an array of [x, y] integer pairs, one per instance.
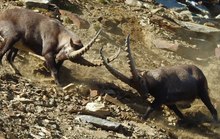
{"points": [[168, 85], [43, 36]]}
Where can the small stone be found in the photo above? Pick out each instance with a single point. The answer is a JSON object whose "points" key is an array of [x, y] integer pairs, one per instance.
{"points": [[67, 97], [97, 109], [52, 102], [39, 109], [93, 106], [113, 100], [171, 119], [131, 2], [45, 122], [54, 126], [69, 87], [93, 93], [42, 134]]}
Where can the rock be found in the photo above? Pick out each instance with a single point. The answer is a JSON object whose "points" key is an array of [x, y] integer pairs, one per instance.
{"points": [[98, 122], [23, 100], [164, 44], [218, 16], [113, 100], [133, 2], [37, 1], [94, 106], [69, 87], [93, 93], [197, 27], [97, 109]]}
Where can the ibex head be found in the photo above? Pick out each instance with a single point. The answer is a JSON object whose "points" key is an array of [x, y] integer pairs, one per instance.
{"points": [[75, 48], [136, 81]]}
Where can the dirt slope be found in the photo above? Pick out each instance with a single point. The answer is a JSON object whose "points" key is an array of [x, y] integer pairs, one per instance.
{"points": [[48, 112]]}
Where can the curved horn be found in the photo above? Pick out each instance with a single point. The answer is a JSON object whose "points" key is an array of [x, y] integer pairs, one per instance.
{"points": [[80, 60], [114, 72], [85, 48], [131, 62]]}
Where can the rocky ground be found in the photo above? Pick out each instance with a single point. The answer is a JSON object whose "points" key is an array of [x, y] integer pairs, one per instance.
{"points": [[32, 106]]}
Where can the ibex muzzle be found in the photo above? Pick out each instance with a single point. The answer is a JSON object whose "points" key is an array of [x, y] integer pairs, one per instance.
{"points": [[43, 36], [168, 85]]}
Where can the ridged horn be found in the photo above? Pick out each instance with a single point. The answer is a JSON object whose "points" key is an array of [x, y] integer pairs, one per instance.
{"points": [[131, 62], [84, 49], [113, 71], [82, 61]]}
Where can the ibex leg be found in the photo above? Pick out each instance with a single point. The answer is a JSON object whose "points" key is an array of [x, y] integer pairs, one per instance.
{"points": [[206, 100], [154, 106], [52, 66], [8, 45], [176, 110], [11, 54]]}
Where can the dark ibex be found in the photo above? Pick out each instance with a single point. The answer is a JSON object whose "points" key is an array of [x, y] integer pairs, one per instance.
{"points": [[43, 36], [168, 85]]}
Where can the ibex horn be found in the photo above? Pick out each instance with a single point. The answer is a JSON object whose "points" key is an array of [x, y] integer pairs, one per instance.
{"points": [[85, 48], [84, 62], [114, 71], [130, 59]]}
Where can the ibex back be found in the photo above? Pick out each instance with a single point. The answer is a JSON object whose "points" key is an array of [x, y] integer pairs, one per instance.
{"points": [[168, 85], [42, 35]]}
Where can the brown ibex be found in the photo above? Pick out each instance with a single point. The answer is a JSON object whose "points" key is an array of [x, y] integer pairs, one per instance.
{"points": [[43, 36], [168, 85]]}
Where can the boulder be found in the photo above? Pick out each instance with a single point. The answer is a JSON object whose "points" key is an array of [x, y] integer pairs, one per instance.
{"points": [[99, 122], [164, 44], [97, 109]]}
